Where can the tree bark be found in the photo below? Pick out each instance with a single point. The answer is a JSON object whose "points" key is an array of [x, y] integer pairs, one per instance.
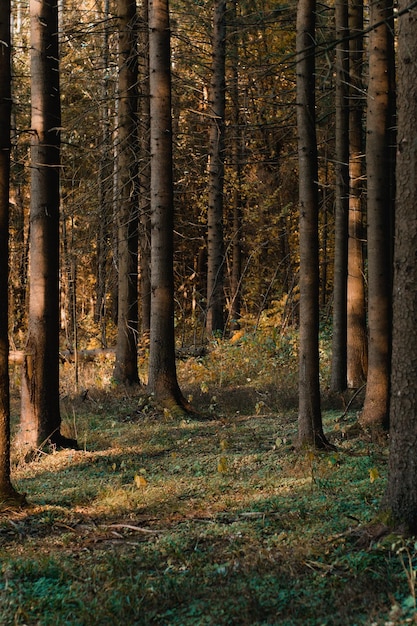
{"points": [[236, 149], [339, 350], [356, 309], [215, 244], [310, 429], [8, 494], [401, 494], [126, 366], [162, 367], [380, 158], [40, 411], [145, 178]]}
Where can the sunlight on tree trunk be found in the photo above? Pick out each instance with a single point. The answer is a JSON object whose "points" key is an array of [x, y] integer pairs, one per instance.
{"points": [[40, 410], [356, 312], [380, 159], [339, 352]]}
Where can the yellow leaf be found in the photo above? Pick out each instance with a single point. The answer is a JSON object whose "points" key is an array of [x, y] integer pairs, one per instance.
{"points": [[224, 444], [222, 465], [140, 481], [373, 474], [236, 336]]}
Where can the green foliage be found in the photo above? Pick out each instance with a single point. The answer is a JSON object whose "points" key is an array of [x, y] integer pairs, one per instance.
{"points": [[162, 520]]}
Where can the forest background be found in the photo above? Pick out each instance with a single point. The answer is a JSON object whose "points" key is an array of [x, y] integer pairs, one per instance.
{"points": [[264, 200]]}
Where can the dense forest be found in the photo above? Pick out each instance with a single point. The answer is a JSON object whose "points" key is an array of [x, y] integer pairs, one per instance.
{"points": [[178, 177]]}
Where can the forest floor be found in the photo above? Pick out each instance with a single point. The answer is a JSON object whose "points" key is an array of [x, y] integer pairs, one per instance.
{"points": [[210, 521]]}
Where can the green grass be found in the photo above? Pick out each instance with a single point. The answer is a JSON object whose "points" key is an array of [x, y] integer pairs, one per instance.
{"points": [[202, 522]]}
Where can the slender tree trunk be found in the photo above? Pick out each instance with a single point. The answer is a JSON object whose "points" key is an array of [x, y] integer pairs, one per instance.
{"points": [[105, 189], [126, 366], [236, 141], [215, 244], [145, 178], [380, 159], [8, 494], [162, 368], [310, 429], [401, 494], [339, 347], [40, 414], [356, 309]]}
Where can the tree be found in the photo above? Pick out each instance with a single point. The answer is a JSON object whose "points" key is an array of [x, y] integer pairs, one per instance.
{"points": [[356, 309], [162, 367], [380, 160], [310, 429], [237, 158], [126, 366], [339, 349], [40, 411], [7, 492], [145, 177], [215, 244], [401, 493]]}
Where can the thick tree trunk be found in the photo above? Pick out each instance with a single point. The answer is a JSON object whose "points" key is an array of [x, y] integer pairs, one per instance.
{"points": [[162, 368], [215, 244], [310, 430], [401, 494], [126, 366], [339, 349], [8, 494], [40, 414], [379, 161], [356, 309]]}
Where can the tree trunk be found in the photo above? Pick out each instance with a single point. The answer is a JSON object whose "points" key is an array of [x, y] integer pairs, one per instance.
{"points": [[401, 494], [40, 414], [339, 343], [126, 366], [236, 149], [145, 178], [356, 310], [162, 368], [8, 494], [215, 244], [105, 182], [310, 430], [380, 159]]}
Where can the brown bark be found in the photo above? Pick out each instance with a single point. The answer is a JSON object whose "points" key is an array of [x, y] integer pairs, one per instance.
{"points": [[339, 350], [8, 494], [105, 181], [379, 161], [310, 430], [145, 178], [356, 310], [126, 366], [237, 149], [215, 244], [401, 494], [162, 368], [40, 411]]}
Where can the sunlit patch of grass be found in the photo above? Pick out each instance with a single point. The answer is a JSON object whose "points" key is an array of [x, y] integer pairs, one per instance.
{"points": [[223, 521]]}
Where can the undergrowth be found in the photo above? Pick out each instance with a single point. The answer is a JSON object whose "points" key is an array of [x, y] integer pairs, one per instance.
{"points": [[204, 522]]}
